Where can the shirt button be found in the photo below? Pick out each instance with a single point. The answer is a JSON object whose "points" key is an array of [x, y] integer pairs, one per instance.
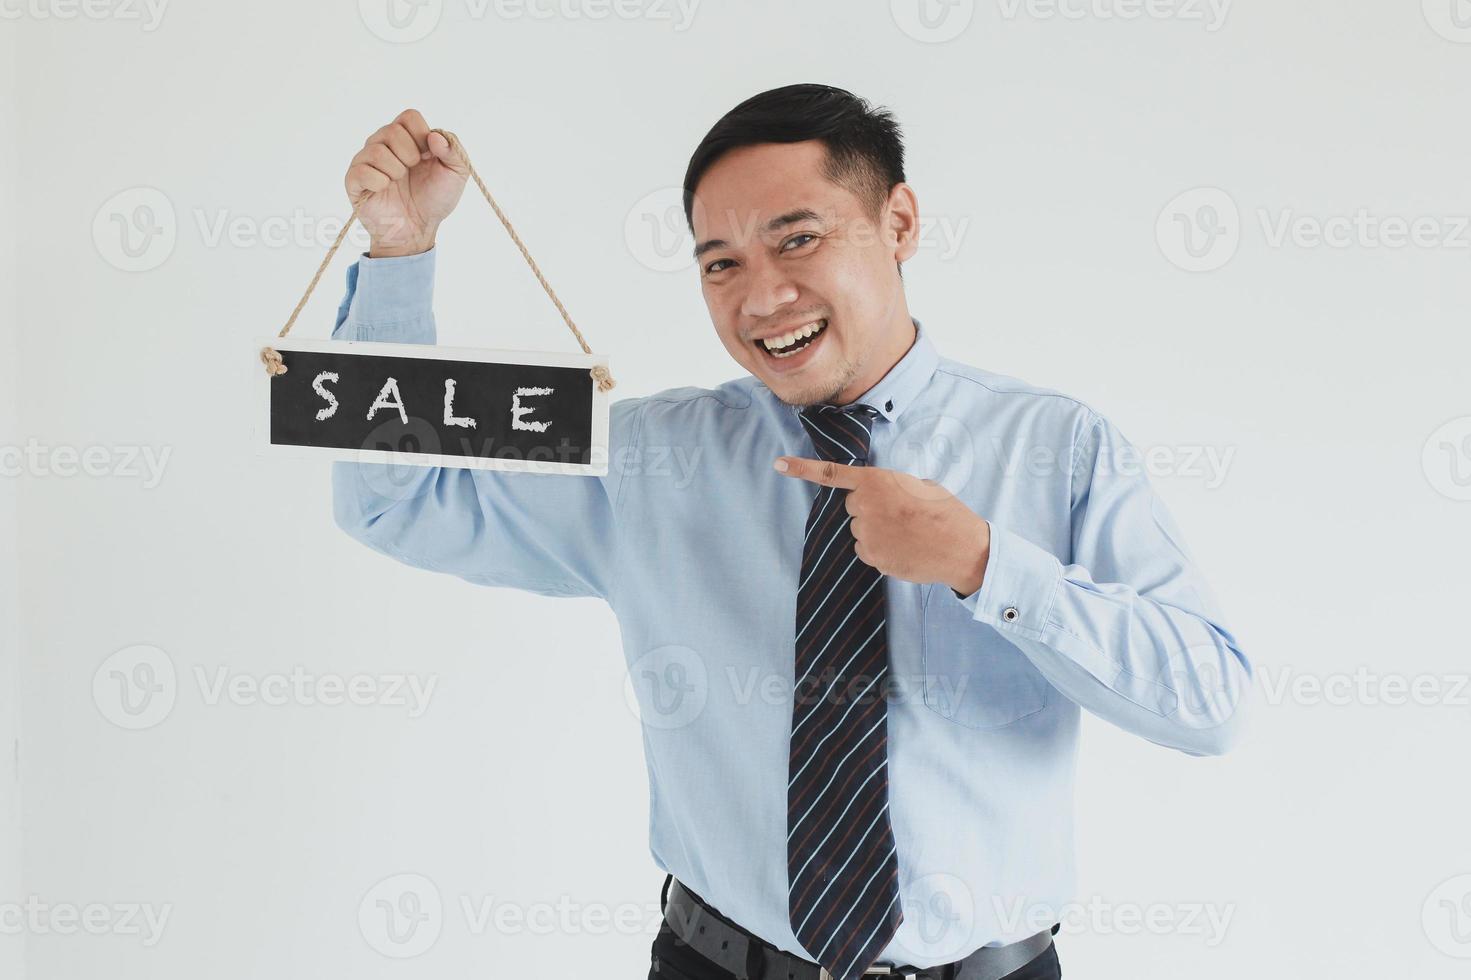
{"points": [[1009, 614]]}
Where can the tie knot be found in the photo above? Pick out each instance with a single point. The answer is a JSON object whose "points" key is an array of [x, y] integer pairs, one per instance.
{"points": [[839, 433]]}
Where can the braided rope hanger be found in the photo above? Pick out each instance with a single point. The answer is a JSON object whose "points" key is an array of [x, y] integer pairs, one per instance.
{"points": [[272, 358]]}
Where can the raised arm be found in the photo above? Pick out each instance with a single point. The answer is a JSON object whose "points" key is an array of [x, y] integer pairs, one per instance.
{"points": [[551, 534]]}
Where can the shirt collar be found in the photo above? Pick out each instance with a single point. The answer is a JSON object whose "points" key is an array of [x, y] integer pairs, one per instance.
{"points": [[898, 389]]}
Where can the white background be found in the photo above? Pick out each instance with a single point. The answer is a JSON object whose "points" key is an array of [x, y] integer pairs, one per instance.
{"points": [[1045, 149]]}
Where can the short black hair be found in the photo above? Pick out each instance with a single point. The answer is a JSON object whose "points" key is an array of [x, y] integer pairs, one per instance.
{"points": [[865, 148]]}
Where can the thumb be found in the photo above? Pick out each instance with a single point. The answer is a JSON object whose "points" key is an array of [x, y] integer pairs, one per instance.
{"points": [[445, 148]]}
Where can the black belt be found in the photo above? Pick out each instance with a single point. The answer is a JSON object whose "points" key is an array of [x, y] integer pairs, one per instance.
{"points": [[749, 957]]}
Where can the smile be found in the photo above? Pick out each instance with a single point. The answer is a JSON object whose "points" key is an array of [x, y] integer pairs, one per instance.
{"points": [[794, 342]]}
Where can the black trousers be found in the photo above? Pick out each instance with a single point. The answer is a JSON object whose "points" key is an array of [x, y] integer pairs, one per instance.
{"points": [[671, 959]]}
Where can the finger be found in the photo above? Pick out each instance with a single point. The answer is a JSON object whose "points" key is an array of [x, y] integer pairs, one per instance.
{"points": [[397, 139], [362, 179], [380, 157], [825, 472], [447, 153], [413, 123]]}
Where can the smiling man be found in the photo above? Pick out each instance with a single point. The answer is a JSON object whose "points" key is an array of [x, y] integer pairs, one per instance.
{"points": [[861, 635]]}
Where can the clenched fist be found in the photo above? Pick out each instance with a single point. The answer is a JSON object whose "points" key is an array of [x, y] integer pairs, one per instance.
{"points": [[412, 178]]}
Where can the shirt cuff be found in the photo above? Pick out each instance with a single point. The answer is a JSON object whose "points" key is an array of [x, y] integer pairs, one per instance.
{"points": [[393, 298], [1020, 584]]}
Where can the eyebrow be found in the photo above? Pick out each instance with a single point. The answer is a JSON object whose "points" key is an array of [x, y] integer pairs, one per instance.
{"points": [[781, 221]]}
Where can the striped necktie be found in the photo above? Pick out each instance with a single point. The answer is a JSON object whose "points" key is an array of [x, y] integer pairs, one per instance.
{"points": [[842, 870]]}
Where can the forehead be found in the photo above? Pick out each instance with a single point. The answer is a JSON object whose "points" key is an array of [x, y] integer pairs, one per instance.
{"points": [[750, 185]]}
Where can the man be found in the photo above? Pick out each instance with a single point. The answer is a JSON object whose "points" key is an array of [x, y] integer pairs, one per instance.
{"points": [[934, 634]]}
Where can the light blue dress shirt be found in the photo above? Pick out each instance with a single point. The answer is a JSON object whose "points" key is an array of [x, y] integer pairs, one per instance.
{"points": [[1090, 600]]}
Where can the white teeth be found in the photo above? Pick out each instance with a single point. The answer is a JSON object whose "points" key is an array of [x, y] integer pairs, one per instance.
{"points": [[775, 344]]}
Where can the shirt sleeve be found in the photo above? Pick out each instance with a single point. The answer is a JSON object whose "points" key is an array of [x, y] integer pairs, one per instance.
{"points": [[1128, 628], [552, 534]]}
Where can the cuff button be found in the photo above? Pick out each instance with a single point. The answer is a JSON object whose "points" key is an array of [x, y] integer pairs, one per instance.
{"points": [[1009, 614]]}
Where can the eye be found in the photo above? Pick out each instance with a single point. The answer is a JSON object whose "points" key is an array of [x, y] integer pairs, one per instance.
{"points": [[797, 240], [715, 266]]}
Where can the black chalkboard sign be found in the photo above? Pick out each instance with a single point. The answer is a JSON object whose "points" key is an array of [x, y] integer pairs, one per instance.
{"points": [[439, 406]]}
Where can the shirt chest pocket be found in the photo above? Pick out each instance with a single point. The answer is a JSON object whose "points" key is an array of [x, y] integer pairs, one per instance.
{"points": [[971, 674]]}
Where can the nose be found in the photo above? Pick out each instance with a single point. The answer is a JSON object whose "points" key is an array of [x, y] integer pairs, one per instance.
{"points": [[769, 289]]}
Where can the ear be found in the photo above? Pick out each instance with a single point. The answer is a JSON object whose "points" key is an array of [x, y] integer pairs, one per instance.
{"points": [[903, 221]]}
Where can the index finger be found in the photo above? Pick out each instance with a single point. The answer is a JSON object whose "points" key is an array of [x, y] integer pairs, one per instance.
{"points": [[822, 471]]}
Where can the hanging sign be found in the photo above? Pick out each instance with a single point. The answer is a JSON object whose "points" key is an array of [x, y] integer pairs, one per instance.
{"points": [[425, 405], [439, 406]]}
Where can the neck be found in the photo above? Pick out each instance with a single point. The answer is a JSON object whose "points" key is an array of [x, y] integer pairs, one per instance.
{"points": [[898, 339]]}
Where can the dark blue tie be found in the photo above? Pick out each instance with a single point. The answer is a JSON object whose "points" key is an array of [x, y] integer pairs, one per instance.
{"points": [[842, 872]]}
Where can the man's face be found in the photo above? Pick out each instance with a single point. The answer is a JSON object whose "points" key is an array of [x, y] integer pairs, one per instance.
{"points": [[782, 249]]}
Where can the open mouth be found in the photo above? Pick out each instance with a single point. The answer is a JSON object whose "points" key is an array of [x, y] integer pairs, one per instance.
{"points": [[792, 344]]}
